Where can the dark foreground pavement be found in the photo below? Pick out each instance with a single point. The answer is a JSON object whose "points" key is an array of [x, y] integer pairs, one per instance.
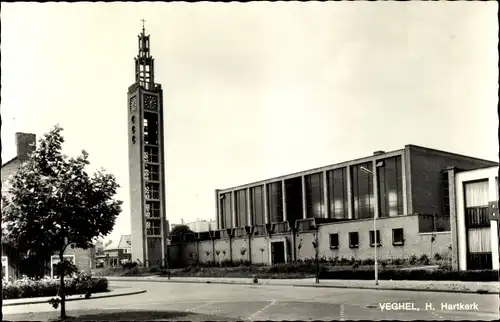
{"points": [[202, 302]]}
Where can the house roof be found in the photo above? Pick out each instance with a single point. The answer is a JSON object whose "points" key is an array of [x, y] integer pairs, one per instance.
{"points": [[10, 161], [125, 242]]}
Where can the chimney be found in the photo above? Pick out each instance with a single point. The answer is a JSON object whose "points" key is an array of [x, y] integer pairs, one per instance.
{"points": [[378, 152], [25, 144]]}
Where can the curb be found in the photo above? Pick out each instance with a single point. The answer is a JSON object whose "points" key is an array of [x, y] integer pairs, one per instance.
{"points": [[480, 292], [308, 285], [80, 298]]}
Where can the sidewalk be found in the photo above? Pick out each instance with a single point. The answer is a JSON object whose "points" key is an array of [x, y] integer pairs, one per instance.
{"points": [[427, 286], [112, 293]]}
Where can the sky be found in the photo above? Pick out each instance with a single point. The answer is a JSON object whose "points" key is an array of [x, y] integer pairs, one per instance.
{"points": [[253, 90]]}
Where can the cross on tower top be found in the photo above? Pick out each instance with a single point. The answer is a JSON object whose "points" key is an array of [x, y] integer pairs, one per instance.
{"points": [[143, 21]]}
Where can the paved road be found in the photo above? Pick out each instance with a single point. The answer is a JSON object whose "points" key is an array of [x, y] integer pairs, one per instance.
{"points": [[265, 302]]}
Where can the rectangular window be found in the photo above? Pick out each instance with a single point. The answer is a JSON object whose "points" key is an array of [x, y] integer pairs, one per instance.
{"points": [[372, 243], [151, 128], [476, 204], [397, 237], [275, 202], [257, 205], [314, 195], [479, 240], [334, 241], [362, 191], [152, 209], [433, 223], [153, 227], [225, 209], [241, 207], [151, 154], [337, 193], [151, 172], [390, 187], [353, 240], [446, 193], [152, 190]]}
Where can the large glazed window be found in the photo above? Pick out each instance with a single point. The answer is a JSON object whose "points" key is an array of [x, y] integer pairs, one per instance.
{"points": [[225, 209], [241, 208], [275, 201], [362, 191], [257, 205], [337, 192], [151, 128], [314, 195], [390, 187], [477, 223]]}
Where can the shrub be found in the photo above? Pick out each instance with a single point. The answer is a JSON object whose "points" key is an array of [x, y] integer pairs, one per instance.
{"points": [[413, 259], [133, 271], [445, 266], [424, 259], [351, 261], [299, 268], [397, 261], [438, 257], [79, 284], [368, 261], [129, 265], [422, 275], [333, 260]]}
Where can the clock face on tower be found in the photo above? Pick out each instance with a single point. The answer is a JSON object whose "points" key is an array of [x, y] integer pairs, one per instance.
{"points": [[133, 104], [150, 102]]}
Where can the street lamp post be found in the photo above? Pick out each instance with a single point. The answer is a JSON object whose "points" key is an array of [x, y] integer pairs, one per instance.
{"points": [[167, 261], [379, 164]]}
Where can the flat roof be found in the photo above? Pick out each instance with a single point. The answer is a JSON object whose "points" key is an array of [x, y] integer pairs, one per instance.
{"points": [[381, 155], [319, 169]]}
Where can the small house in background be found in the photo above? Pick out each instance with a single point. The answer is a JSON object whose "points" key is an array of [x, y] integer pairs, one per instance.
{"points": [[115, 253]]}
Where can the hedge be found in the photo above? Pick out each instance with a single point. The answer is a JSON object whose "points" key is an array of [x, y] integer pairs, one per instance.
{"points": [[26, 288], [415, 275]]}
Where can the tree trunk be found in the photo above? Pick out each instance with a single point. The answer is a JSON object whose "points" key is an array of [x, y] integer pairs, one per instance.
{"points": [[61, 285]]}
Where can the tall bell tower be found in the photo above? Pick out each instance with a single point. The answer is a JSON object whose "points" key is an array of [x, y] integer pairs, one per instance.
{"points": [[146, 161]]}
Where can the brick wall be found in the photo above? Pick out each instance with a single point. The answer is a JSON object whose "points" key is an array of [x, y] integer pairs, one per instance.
{"points": [[426, 176], [84, 258]]}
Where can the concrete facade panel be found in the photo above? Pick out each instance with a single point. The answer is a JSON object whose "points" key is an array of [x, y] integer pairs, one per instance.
{"points": [[260, 250], [206, 251], [238, 244], [191, 250]]}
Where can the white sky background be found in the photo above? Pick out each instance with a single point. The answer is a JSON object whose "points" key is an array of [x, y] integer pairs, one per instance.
{"points": [[254, 90]]}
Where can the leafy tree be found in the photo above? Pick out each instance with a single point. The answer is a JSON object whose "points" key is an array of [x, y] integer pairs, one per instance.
{"points": [[181, 230], [54, 203]]}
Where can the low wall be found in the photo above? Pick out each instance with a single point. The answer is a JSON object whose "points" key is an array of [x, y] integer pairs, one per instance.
{"points": [[257, 250]]}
